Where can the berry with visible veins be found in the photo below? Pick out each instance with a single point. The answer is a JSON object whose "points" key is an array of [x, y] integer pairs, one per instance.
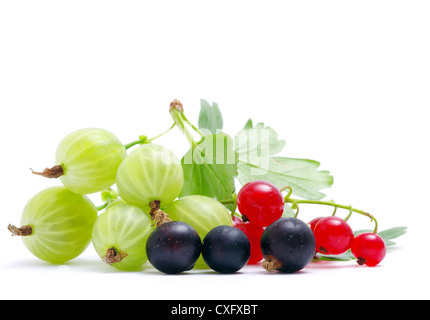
{"points": [[87, 160], [120, 234], [57, 224], [150, 173], [202, 213]]}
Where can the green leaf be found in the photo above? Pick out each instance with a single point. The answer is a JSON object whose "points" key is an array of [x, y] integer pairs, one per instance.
{"points": [[210, 168], [347, 256], [256, 146], [392, 233], [288, 212], [210, 117], [259, 141], [301, 175], [388, 234], [248, 124]]}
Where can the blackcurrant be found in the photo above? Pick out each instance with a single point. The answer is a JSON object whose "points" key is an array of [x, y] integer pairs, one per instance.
{"points": [[226, 249], [173, 247], [288, 245]]}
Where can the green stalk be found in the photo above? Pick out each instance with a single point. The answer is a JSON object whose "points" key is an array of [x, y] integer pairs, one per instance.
{"points": [[161, 134], [108, 196], [296, 202], [177, 114], [191, 125], [100, 208], [145, 140], [142, 140]]}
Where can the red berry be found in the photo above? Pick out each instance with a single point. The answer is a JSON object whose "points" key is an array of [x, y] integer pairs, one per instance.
{"points": [[312, 224], [369, 249], [261, 202], [254, 234], [333, 235], [236, 220]]}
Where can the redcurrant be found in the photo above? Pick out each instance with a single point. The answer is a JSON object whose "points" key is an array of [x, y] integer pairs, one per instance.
{"points": [[333, 235], [312, 224], [369, 249], [236, 220], [261, 203], [254, 234]]}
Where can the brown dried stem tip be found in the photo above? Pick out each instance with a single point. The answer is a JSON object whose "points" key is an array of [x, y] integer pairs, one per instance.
{"points": [[113, 257], [271, 264], [176, 104], [159, 216], [20, 232], [51, 173]]}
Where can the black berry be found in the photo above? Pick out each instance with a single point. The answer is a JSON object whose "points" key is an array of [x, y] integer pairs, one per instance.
{"points": [[288, 245], [173, 247], [226, 249]]}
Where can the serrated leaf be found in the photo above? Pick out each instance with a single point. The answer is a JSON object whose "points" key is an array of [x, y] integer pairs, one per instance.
{"points": [[259, 141], [256, 147], [210, 117], [210, 168], [301, 175]]}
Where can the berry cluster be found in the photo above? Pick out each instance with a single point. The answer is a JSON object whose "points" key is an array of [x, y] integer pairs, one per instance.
{"points": [[144, 220], [164, 213], [272, 237], [334, 236], [175, 247]]}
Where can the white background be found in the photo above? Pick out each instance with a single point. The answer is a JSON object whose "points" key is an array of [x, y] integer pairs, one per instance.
{"points": [[343, 82]]}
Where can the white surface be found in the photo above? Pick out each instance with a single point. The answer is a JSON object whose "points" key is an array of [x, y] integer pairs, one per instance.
{"points": [[344, 83]]}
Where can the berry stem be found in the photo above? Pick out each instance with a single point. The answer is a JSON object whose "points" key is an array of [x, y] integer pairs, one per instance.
{"points": [[192, 126], [145, 140], [142, 140], [271, 264], [51, 173], [233, 202], [177, 114], [112, 256], [158, 215], [103, 206], [162, 134], [20, 232], [108, 196], [228, 201], [296, 202]]}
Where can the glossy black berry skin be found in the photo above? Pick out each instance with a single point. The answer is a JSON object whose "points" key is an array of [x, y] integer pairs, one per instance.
{"points": [[173, 247], [291, 242], [226, 249]]}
